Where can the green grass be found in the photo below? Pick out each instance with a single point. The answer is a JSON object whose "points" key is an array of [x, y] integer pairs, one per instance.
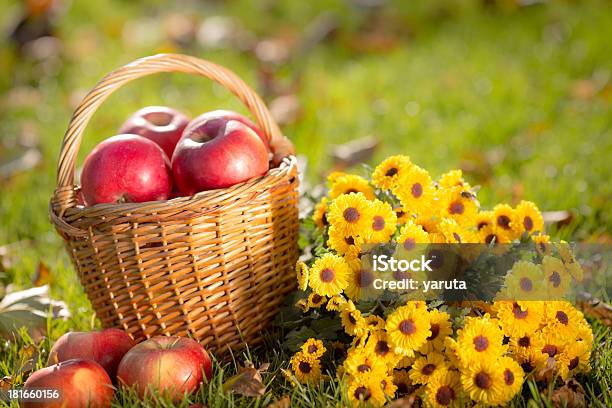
{"points": [[500, 93]]}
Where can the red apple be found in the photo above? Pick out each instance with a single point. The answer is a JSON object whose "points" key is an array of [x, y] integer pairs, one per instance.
{"points": [[172, 365], [160, 124], [217, 156], [106, 347], [126, 168], [80, 383]]}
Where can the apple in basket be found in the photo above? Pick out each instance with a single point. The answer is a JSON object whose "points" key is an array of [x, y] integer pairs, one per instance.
{"points": [[79, 383], [161, 124], [106, 347], [126, 168], [218, 149], [170, 365]]}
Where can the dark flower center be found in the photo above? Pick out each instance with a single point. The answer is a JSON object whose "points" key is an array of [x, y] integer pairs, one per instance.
{"points": [[391, 172], [503, 221], [457, 237], [528, 223], [364, 278], [417, 190], [490, 238], [312, 349], [527, 367], [555, 279], [351, 190], [549, 349], [573, 363], [304, 367], [362, 393], [428, 369], [562, 317], [327, 275], [407, 327], [482, 224], [435, 330], [351, 215], [445, 395], [481, 343], [482, 380], [508, 377], [409, 243], [382, 348], [518, 312], [524, 341], [526, 284], [316, 298], [379, 223], [362, 368], [349, 240], [324, 219], [456, 207], [352, 319]]}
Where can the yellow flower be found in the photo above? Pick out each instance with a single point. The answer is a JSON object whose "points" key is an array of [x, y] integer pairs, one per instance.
{"points": [[528, 218], [301, 270], [320, 213], [451, 351], [453, 178], [483, 219], [404, 384], [361, 361], [375, 323], [440, 327], [483, 381], [366, 390], [428, 222], [444, 389], [314, 348], [491, 234], [402, 216], [542, 244], [525, 282], [549, 343], [480, 339], [352, 321], [412, 234], [360, 281], [522, 347], [408, 328], [334, 176], [505, 220], [306, 368], [329, 275], [519, 318], [344, 245], [562, 318], [378, 345], [415, 190], [336, 303], [557, 279], [424, 367], [512, 379], [350, 183], [388, 386], [458, 204], [388, 173], [302, 304], [575, 358], [452, 232], [315, 301], [350, 214], [384, 222]]}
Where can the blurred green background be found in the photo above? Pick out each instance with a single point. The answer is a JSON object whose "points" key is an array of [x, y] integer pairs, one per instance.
{"points": [[515, 92]]}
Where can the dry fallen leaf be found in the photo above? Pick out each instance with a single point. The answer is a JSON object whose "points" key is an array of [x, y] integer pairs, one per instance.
{"points": [[354, 152], [283, 402], [405, 402], [560, 218], [6, 383], [42, 276], [597, 309], [248, 381], [571, 395]]}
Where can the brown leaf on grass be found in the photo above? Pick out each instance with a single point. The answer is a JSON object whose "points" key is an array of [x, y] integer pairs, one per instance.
{"points": [[570, 395], [6, 383], [547, 372], [405, 402], [28, 358], [248, 381], [597, 309], [43, 275], [283, 402], [354, 152]]}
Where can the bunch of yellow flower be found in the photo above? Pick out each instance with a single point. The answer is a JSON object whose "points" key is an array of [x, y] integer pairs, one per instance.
{"points": [[411, 348]]}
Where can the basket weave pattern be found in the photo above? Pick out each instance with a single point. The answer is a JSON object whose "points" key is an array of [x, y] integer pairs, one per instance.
{"points": [[214, 266]]}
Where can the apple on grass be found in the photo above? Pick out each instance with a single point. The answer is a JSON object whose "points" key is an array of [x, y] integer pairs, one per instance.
{"points": [[174, 366], [126, 168], [161, 124], [106, 347], [216, 152], [79, 383]]}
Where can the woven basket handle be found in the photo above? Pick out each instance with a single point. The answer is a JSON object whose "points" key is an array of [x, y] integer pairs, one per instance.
{"points": [[281, 146]]}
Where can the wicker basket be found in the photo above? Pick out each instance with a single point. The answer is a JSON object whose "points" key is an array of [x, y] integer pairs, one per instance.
{"points": [[214, 266]]}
